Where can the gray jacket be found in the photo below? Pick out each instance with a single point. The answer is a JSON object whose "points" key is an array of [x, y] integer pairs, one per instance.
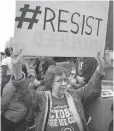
{"points": [[13, 109], [81, 96]]}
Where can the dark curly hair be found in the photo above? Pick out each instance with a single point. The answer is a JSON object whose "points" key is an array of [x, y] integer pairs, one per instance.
{"points": [[48, 62], [7, 51]]}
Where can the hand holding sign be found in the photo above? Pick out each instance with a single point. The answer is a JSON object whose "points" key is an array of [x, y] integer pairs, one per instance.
{"points": [[101, 63]]}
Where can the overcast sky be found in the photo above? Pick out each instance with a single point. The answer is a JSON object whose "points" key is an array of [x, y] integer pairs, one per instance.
{"points": [[7, 14]]}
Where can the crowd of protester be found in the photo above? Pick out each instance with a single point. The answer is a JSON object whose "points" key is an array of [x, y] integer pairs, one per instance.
{"points": [[52, 100]]}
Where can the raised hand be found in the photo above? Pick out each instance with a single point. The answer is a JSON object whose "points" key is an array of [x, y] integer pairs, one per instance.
{"points": [[16, 61], [101, 63]]}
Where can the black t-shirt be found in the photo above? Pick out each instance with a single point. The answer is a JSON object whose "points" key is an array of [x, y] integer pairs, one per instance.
{"points": [[61, 117]]}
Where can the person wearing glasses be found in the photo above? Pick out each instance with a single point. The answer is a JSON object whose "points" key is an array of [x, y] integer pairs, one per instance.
{"points": [[61, 109]]}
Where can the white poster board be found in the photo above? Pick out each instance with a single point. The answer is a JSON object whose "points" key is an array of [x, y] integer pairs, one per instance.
{"points": [[63, 28]]}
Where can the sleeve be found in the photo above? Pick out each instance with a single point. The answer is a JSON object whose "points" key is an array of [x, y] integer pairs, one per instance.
{"points": [[90, 68], [29, 96], [92, 90], [87, 71], [7, 96]]}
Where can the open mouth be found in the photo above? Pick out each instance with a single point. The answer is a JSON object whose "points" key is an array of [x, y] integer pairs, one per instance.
{"points": [[64, 87]]}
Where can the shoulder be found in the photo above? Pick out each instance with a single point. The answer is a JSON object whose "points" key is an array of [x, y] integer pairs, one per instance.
{"points": [[9, 88], [4, 61], [41, 96], [41, 88]]}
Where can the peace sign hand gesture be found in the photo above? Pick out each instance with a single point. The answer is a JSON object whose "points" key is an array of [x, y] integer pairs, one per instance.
{"points": [[16, 61]]}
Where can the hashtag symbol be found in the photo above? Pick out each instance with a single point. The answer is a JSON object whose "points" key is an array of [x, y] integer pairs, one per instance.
{"points": [[32, 20]]}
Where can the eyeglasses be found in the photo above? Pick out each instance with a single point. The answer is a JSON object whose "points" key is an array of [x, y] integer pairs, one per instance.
{"points": [[62, 81]]}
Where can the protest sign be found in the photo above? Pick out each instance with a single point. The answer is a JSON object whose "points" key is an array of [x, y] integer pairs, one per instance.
{"points": [[58, 28]]}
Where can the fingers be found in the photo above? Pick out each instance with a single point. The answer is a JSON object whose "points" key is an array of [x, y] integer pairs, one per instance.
{"points": [[101, 63], [98, 56], [20, 55], [17, 59], [107, 56], [20, 52]]}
